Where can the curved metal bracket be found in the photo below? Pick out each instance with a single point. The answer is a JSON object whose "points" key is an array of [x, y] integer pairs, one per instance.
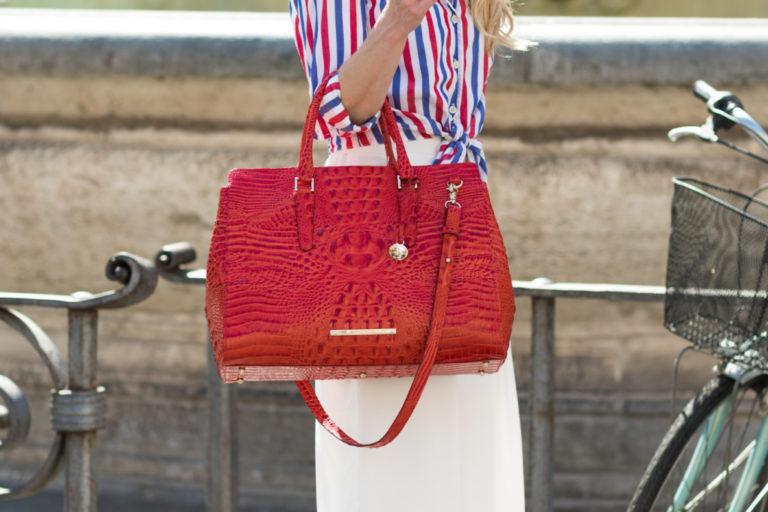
{"points": [[16, 415], [137, 274], [40, 341], [44, 475]]}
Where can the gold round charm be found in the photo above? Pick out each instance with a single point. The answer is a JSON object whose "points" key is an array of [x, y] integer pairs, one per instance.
{"points": [[398, 251]]}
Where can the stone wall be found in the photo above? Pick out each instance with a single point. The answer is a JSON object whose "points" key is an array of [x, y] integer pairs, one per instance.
{"points": [[116, 130]]}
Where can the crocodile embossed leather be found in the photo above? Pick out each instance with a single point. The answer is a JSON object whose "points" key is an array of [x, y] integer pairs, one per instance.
{"points": [[357, 272]]}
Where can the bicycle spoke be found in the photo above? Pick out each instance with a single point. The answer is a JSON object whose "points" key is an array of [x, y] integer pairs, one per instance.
{"points": [[715, 483], [758, 499], [701, 454], [752, 469]]}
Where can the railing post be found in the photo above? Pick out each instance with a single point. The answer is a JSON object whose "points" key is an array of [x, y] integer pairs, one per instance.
{"points": [[223, 492], [541, 404], [80, 482], [78, 405]]}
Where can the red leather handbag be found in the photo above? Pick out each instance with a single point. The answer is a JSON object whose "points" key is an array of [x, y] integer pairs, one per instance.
{"points": [[357, 272]]}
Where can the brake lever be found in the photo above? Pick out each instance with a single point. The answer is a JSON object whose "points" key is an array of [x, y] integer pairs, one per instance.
{"points": [[705, 132]]}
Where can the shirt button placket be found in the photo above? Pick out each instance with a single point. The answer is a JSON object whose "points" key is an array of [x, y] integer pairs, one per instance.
{"points": [[452, 109]]}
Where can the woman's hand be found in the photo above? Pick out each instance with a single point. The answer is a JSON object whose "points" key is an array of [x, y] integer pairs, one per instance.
{"points": [[365, 77], [403, 16]]}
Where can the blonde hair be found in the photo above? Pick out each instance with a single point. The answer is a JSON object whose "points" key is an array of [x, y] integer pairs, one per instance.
{"points": [[495, 18]]}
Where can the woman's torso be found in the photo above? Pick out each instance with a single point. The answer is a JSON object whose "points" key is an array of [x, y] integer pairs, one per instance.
{"points": [[438, 89]]}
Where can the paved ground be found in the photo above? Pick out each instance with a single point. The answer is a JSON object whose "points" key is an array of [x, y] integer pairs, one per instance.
{"points": [[53, 502]]}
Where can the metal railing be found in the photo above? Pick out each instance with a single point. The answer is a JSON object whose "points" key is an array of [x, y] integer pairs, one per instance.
{"points": [[541, 394], [222, 494], [79, 404], [222, 450]]}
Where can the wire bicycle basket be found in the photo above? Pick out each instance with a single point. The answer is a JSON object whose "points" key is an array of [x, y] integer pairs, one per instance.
{"points": [[717, 271]]}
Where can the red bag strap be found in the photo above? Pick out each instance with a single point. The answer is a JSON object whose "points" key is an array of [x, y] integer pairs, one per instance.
{"points": [[450, 235]]}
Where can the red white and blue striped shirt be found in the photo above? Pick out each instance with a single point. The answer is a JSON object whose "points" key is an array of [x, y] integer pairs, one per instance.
{"points": [[438, 89]]}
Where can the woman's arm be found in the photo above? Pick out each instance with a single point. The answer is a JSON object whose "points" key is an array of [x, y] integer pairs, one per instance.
{"points": [[365, 77]]}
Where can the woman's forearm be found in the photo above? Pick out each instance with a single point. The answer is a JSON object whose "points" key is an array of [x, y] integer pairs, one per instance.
{"points": [[365, 77]]}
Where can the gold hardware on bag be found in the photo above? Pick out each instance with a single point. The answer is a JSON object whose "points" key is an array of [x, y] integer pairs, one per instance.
{"points": [[398, 251], [453, 192], [362, 332], [400, 183], [241, 375]]}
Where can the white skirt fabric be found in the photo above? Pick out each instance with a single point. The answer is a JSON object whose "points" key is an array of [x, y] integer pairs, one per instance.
{"points": [[461, 451]]}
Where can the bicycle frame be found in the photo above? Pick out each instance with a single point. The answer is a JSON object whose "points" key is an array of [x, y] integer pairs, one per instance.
{"points": [[755, 451], [754, 465], [704, 446], [754, 454]]}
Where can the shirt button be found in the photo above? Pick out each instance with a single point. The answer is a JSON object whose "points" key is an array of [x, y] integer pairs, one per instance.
{"points": [[452, 109], [456, 63], [455, 18]]}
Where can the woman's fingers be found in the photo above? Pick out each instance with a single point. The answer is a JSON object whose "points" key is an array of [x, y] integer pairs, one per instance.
{"points": [[408, 13], [428, 4], [418, 7]]}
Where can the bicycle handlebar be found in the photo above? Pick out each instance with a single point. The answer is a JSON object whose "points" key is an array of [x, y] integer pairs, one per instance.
{"points": [[703, 90], [720, 103], [727, 110]]}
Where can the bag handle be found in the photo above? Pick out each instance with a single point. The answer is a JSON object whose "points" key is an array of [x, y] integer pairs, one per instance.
{"points": [[399, 162], [450, 235], [406, 181]]}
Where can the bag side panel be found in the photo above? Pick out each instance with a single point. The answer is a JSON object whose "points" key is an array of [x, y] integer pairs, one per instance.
{"points": [[215, 279]]}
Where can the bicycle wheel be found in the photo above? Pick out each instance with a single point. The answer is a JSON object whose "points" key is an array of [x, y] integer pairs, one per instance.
{"points": [[724, 420]]}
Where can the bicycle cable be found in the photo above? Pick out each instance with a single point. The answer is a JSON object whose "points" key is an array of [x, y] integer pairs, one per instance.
{"points": [[741, 150]]}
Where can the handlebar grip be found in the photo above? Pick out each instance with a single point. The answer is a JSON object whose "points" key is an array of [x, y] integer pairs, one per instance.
{"points": [[703, 90]]}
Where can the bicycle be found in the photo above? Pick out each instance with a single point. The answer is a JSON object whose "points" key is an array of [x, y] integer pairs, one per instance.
{"points": [[717, 298]]}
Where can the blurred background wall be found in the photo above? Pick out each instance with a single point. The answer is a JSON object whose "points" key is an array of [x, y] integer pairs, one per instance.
{"points": [[683, 8]]}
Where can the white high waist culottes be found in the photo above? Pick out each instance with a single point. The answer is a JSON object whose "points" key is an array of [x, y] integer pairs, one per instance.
{"points": [[461, 451]]}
